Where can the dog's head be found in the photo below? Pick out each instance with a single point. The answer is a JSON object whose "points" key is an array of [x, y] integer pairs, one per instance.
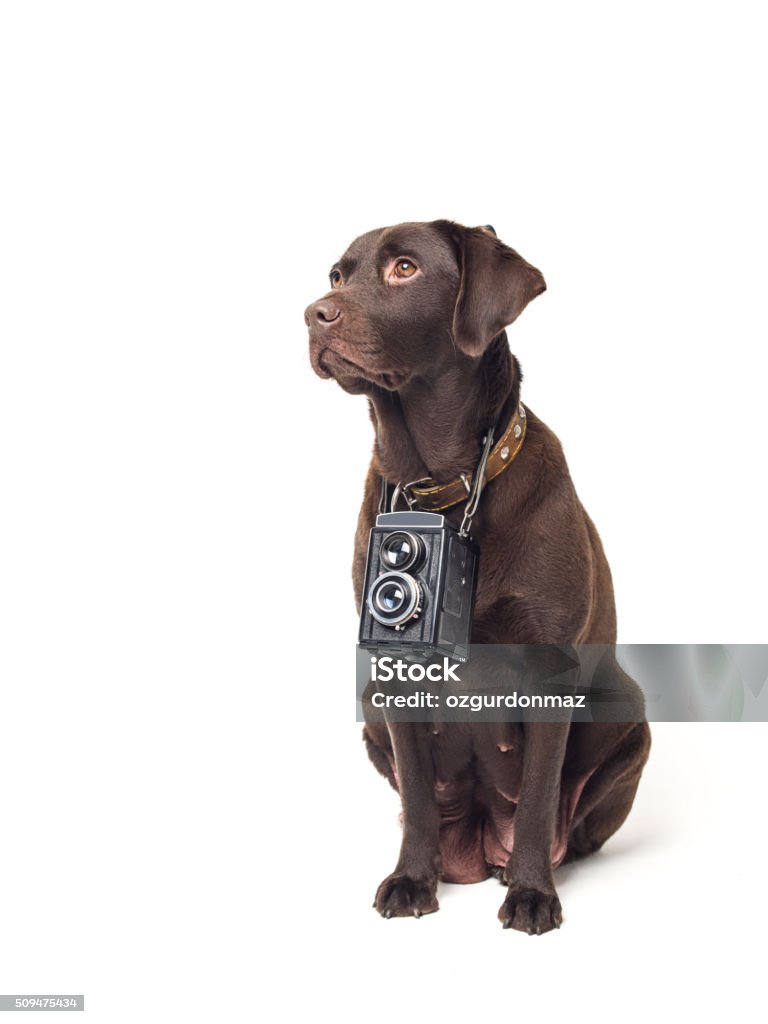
{"points": [[406, 301]]}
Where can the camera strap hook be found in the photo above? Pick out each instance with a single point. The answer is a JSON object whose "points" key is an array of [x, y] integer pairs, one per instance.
{"points": [[383, 495], [478, 482], [401, 491], [404, 491]]}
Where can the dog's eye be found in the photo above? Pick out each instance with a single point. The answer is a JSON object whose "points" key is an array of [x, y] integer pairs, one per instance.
{"points": [[336, 278], [405, 268]]}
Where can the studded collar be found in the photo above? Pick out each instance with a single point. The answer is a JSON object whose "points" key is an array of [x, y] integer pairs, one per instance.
{"points": [[429, 496]]}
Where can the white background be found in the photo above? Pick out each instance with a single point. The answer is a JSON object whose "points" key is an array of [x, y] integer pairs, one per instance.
{"points": [[187, 816]]}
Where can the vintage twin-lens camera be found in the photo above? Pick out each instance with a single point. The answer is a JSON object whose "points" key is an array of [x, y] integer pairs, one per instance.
{"points": [[419, 587]]}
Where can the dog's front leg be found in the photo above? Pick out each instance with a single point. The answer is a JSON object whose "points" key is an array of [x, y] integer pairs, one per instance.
{"points": [[411, 889], [532, 905]]}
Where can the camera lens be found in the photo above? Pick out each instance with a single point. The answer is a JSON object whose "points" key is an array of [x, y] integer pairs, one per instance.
{"points": [[394, 599], [402, 550], [390, 598]]}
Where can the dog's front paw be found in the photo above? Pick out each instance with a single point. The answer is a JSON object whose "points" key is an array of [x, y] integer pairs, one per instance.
{"points": [[403, 896], [530, 910]]}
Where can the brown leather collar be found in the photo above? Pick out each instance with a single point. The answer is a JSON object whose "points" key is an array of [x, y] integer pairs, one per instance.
{"points": [[429, 496]]}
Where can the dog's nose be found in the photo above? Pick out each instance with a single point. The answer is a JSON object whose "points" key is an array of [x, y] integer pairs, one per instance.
{"points": [[322, 313]]}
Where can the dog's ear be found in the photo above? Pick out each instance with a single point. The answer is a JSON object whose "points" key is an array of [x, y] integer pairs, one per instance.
{"points": [[496, 286]]}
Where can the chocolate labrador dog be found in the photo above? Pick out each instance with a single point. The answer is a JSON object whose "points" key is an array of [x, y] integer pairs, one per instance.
{"points": [[415, 321]]}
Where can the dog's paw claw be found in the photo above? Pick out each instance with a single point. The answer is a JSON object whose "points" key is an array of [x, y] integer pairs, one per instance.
{"points": [[531, 911], [403, 896]]}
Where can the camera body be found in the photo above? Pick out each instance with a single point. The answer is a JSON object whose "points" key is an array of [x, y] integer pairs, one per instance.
{"points": [[419, 589]]}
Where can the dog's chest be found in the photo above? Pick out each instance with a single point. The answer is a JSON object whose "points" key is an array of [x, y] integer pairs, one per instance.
{"points": [[477, 761]]}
